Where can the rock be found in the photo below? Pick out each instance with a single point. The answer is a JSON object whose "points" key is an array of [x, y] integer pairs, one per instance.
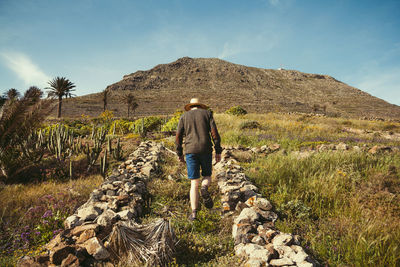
{"points": [[80, 229], [342, 146], [97, 194], [106, 187], [72, 221], [267, 215], [126, 215], [146, 170], [110, 193], [58, 254], [305, 264], [259, 202], [299, 254], [282, 239], [274, 147], [240, 206], [89, 213], [258, 240], [247, 214], [281, 262], [70, 261], [241, 232], [107, 218], [95, 248], [252, 251], [379, 149], [54, 242], [86, 235]]}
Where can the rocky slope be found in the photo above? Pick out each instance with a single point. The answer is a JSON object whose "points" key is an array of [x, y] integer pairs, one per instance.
{"points": [[221, 84]]}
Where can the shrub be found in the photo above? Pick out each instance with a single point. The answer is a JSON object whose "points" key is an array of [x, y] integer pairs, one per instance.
{"points": [[172, 123], [249, 125], [237, 111], [148, 124], [121, 127]]}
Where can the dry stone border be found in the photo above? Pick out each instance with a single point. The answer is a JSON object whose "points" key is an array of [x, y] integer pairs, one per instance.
{"points": [[256, 238], [119, 198], [254, 233]]}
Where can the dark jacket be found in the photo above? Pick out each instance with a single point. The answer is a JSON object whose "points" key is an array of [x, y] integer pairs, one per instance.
{"points": [[197, 125]]}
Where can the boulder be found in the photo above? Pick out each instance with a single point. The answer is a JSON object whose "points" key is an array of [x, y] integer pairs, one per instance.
{"points": [[107, 218], [86, 235], [126, 215], [95, 248], [259, 202], [70, 261], [342, 146], [72, 221], [89, 213], [282, 239], [281, 262], [247, 214], [80, 229], [59, 253]]}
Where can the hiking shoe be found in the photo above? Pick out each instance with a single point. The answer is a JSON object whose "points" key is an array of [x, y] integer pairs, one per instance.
{"points": [[207, 200], [193, 216]]}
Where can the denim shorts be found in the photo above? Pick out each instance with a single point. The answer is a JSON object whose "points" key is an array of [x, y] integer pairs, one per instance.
{"points": [[195, 161]]}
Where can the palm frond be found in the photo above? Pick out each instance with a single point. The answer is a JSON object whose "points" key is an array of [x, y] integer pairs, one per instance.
{"points": [[153, 244]]}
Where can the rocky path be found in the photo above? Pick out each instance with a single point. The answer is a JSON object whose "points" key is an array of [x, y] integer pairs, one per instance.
{"points": [[121, 198]]}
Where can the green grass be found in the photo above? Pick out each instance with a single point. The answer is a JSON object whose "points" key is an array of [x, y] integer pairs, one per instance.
{"points": [[205, 242], [344, 205]]}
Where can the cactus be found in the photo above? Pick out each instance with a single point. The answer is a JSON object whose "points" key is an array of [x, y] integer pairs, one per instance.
{"points": [[117, 152], [92, 153], [103, 164], [70, 169]]}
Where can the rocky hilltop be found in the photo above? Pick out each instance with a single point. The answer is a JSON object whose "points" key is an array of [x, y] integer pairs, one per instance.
{"points": [[221, 84]]}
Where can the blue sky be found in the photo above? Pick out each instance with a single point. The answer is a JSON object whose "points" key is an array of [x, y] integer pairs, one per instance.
{"points": [[94, 43]]}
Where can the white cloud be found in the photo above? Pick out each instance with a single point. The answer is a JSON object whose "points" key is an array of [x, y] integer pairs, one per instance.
{"points": [[24, 68], [248, 43], [382, 84], [229, 50], [274, 2]]}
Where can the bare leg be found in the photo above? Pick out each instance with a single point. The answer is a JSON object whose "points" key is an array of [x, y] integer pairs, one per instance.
{"points": [[194, 193]]}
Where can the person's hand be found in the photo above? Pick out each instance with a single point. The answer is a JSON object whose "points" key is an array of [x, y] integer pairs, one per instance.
{"points": [[217, 158], [182, 159]]}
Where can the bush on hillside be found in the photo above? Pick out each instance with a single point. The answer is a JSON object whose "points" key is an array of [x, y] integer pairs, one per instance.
{"points": [[236, 110], [249, 125], [147, 124], [172, 123]]}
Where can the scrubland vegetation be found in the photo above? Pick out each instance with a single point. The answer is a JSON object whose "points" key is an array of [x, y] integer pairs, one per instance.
{"points": [[344, 204]]}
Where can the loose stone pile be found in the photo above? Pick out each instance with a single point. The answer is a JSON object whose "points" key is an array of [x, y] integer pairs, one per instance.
{"points": [[119, 198], [253, 230]]}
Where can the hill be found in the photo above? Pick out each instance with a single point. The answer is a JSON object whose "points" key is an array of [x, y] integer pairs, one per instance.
{"points": [[221, 85]]}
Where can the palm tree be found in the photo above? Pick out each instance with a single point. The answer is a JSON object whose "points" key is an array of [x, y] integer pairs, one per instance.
{"points": [[60, 87], [105, 94], [12, 94], [18, 119], [130, 101]]}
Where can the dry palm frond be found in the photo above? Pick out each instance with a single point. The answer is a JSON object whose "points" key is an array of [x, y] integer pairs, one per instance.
{"points": [[153, 244]]}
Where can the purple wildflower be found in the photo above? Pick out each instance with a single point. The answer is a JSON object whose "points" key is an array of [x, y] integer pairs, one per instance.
{"points": [[48, 213]]}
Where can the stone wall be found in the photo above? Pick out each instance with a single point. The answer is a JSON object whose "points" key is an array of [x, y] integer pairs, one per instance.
{"points": [[254, 233], [120, 197]]}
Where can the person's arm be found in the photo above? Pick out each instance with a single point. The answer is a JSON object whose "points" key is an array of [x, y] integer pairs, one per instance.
{"points": [[179, 140], [216, 139]]}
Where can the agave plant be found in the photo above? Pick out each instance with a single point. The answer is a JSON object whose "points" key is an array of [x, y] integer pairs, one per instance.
{"points": [[60, 87], [18, 120]]}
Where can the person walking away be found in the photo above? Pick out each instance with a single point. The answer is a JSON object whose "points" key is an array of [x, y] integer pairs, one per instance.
{"points": [[197, 125]]}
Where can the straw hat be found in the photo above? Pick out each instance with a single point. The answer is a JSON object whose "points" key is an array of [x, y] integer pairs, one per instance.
{"points": [[195, 102]]}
